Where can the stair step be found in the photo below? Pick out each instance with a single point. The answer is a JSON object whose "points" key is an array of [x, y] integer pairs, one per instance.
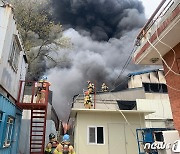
{"points": [[38, 122], [36, 147], [37, 130], [36, 140], [38, 116], [36, 135], [37, 126], [37, 112], [36, 143]]}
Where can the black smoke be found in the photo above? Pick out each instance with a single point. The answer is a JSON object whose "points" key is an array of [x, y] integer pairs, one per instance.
{"points": [[101, 19]]}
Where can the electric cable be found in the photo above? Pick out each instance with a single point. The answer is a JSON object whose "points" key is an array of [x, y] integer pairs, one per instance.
{"points": [[168, 47], [161, 57], [165, 64], [125, 65]]}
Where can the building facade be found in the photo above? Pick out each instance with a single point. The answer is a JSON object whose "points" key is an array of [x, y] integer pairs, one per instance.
{"points": [[106, 131], [13, 66], [111, 126], [159, 43], [155, 97]]}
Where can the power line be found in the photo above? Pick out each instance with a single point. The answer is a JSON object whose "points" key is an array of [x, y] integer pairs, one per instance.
{"points": [[124, 67]]}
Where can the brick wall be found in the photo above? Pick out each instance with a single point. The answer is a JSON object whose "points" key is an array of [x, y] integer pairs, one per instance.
{"points": [[174, 82]]}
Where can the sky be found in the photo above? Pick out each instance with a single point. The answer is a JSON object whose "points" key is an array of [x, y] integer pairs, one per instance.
{"points": [[150, 6]]}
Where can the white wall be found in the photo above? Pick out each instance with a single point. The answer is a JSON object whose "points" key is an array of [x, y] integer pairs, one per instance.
{"points": [[9, 78], [162, 108], [114, 125]]}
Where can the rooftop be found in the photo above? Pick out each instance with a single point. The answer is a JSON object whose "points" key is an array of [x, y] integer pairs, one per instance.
{"points": [[74, 111]]}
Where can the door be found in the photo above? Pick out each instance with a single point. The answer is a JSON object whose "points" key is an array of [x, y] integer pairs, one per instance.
{"points": [[15, 139], [116, 138]]}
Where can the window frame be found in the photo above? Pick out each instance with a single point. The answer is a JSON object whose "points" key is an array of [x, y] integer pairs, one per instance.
{"points": [[95, 135], [1, 116], [8, 131], [14, 54]]}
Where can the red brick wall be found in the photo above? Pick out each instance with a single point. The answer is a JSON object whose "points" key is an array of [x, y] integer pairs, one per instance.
{"points": [[174, 81]]}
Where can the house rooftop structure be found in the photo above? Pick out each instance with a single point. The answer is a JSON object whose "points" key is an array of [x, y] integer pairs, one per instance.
{"points": [[143, 72], [74, 111]]}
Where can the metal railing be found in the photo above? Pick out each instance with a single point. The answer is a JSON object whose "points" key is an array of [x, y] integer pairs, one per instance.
{"points": [[28, 92], [161, 10]]}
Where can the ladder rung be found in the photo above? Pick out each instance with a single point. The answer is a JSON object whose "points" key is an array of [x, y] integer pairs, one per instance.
{"points": [[35, 135], [39, 152], [38, 116]]}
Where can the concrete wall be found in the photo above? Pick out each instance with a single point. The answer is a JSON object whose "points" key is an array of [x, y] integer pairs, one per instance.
{"points": [[173, 82], [162, 108], [118, 135], [9, 78], [109, 100], [157, 96], [162, 116]]}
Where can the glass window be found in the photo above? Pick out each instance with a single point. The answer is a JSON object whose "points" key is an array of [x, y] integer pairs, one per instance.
{"points": [[14, 55], [96, 135], [92, 138], [100, 137], [8, 134]]}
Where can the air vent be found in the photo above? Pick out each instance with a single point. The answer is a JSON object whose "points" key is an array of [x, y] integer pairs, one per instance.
{"points": [[154, 60]]}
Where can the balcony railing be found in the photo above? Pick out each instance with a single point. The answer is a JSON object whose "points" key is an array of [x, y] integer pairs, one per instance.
{"points": [[158, 15], [30, 94]]}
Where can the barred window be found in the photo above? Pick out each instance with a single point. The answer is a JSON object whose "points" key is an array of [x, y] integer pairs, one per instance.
{"points": [[14, 54]]}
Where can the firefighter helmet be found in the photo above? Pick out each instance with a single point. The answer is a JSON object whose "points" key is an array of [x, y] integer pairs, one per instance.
{"points": [[51, 136], [66, 138]]}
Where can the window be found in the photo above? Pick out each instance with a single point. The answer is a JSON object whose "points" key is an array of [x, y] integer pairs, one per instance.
{"points": [[9, 129], [1, 115], [14, 54], [96, 135], [155, 87]]}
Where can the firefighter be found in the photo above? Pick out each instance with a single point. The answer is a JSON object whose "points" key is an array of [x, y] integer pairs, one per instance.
{"points": [[65, 147], [52, 145], [104, 87], [90, 87], [38, 86], [87, 100], [41, 89]]}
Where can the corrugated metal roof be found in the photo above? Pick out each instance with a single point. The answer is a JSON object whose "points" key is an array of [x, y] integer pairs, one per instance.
{"points": [[143, 72]]}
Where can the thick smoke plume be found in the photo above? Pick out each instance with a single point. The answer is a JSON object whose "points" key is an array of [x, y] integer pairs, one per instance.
{"points": [[88, 60], [102, 33], [101, 19]]}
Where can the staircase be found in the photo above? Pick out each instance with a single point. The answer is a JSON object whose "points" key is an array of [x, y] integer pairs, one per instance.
{"points": [[38, 114], [37, 132]]}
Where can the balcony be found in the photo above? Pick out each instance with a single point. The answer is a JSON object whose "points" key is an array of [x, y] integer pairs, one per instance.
{"points": [[27, 98], [159, 35]]}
